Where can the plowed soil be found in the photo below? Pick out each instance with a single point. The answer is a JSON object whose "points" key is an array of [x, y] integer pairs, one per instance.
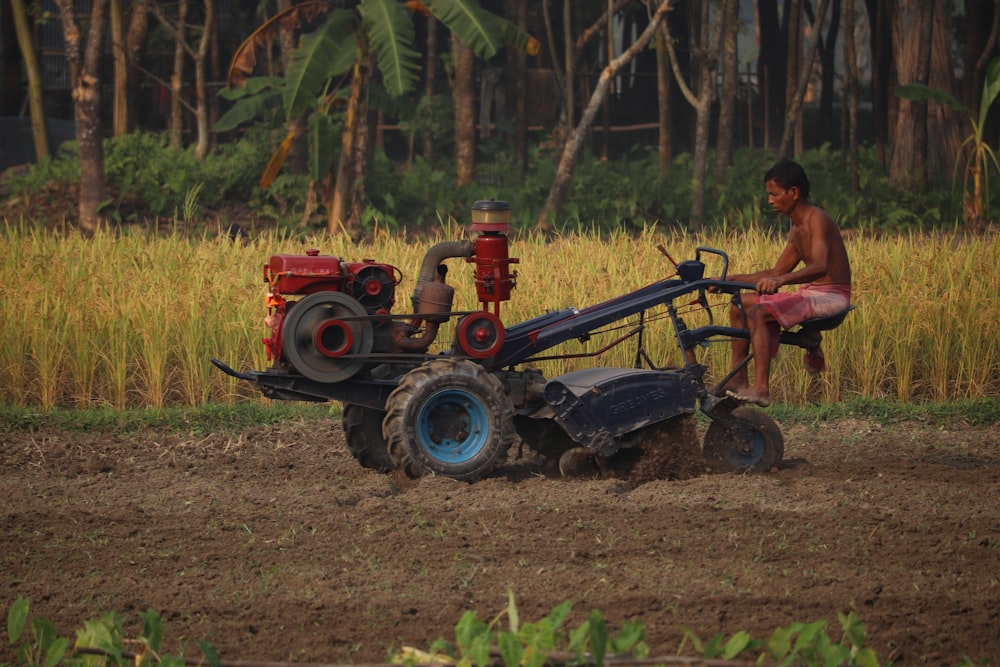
{"points": [[275, 545]]}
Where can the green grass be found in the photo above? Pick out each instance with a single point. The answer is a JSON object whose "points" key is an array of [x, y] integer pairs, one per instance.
{"points": [[213, 418], [231, 418]]}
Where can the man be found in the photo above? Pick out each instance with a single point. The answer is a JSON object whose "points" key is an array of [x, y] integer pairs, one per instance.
{"points": [[825, 284]]}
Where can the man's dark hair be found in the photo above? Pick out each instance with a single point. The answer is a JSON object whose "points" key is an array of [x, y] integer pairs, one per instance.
{"points": [[787, 173]]}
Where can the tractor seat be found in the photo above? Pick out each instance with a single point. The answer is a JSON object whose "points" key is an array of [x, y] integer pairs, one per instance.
{"points": [[808, 335], [826, 323]]}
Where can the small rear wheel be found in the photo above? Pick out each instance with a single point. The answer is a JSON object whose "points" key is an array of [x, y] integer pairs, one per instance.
{"points": [[451, 418], [363, 434], [746, 440]]}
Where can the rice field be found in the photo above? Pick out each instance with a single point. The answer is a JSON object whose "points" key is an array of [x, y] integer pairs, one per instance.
{"points": [[130, 320]]}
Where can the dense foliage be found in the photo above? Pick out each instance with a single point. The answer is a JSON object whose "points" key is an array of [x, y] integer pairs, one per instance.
{"points": [[150, 180]]}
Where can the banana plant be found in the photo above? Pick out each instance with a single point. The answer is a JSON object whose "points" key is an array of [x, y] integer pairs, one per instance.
{"points": [[330, 56], [978, 151]]}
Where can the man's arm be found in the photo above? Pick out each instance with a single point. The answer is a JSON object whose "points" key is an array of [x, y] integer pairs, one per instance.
{"points": [[787, 261], [816, 262]]}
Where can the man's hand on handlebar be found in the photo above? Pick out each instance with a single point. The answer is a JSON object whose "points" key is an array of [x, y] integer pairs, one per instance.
{"points": [[767, 285]]}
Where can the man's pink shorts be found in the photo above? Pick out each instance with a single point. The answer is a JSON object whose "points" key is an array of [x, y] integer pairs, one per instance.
{"points": [[809, 301]]}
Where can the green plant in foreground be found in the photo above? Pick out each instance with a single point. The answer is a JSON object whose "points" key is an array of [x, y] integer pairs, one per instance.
{"points": [[795, 644], [100, 641], [477, 643], [532, 644]]}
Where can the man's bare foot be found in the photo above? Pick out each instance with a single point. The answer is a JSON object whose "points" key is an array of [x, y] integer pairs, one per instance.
{"points": [[733, 385], [814, 361], [751, 395]]}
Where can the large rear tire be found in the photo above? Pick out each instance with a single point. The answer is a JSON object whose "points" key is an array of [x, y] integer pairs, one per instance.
{"points": [[363, 433], [451, 418], [747, 440]]}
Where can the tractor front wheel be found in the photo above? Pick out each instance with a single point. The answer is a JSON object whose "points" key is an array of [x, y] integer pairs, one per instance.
{"points": [[363, 434], [746, 440], [451, 418]]}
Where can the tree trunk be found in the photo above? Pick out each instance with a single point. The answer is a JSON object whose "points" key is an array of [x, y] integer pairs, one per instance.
{"points": [[39, 127], [567, 163], [881, 38], [981, 18], [135, 37], [804, 74], [828, 70], [705, 55], [729, 92], [664, 146], [518, 90], [465, 112], [119, 113], [177, 77], [201, 83], [298, 153], [360, 158], [944, 135], [773, 45], [84, 76], [851, 68], [920, 106], [430, 78], [568, 58], [340, 197]]}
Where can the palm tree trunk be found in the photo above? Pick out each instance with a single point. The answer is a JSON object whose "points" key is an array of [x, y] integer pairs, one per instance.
{"points": [[851, 67], [465, 115], [84, 69], [39, 129]]}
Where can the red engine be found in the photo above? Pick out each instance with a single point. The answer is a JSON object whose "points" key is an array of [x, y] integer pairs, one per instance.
{"points": [[344, 313], [369, 284]]}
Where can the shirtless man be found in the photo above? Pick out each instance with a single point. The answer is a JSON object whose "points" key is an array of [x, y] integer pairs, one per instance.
{"points": [[825, 283]]}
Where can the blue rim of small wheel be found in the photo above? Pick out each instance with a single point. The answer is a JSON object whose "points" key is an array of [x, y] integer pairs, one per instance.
{"points": [[453, 425], [758, 446]]}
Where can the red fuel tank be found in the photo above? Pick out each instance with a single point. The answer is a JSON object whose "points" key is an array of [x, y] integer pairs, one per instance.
{"points": [[304, 274]]}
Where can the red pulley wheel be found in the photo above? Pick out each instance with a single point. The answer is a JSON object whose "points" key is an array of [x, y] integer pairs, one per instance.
{"points": [[480, 335]]}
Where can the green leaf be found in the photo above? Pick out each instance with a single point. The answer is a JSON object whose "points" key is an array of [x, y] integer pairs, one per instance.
{"points": [[152, 629], [208, 650], [780, 642], [55, 651], [44, 631], [920, 91], [310, 70], [991, 88], [808, 635], [390, 33], [631, 634], [578, 640], [510, 649], [16, 618], [559, 613], [323, 141], [598, 637], [475, 27], [249, 109], [736, 645]]}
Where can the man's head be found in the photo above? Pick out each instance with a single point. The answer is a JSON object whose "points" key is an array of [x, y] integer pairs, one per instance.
{"points": [[789, 174]]}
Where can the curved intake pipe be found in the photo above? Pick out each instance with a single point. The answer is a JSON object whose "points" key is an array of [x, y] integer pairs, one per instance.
{"points": [[435, 255], [434, 309]]}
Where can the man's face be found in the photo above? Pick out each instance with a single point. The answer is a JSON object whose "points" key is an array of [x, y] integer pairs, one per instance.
{"points": [[781, 200]]}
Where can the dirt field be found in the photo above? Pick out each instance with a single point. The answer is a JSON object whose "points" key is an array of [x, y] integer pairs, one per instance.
{"points": [[275, 545]]}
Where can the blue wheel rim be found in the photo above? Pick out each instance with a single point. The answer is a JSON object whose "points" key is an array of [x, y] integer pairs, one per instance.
{"points": [[755, 451], [453, 425]]}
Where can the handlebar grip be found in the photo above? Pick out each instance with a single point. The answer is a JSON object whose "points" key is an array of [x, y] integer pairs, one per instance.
{"points": [[713, 251]]}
